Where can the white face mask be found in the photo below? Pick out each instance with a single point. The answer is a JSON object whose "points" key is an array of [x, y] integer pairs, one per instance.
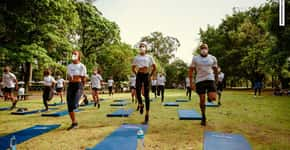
{"points": [[204, 52], [142, 49], [74, 57]]}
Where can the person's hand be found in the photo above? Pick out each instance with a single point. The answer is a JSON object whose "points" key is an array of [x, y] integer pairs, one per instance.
{"points": [[16, 88]]}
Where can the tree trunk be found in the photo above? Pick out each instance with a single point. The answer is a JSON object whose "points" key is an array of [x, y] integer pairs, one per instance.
{"points": [[27, 75]]}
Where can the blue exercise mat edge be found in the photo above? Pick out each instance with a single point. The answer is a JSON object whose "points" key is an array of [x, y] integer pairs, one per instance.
{"points": [[127, 114]]}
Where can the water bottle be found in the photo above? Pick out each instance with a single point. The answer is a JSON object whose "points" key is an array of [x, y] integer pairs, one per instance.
{"points": [[13, 143], [140, 139]]}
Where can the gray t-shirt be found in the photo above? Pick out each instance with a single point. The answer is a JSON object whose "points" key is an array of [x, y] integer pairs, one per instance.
{"points": [[204, 67]]}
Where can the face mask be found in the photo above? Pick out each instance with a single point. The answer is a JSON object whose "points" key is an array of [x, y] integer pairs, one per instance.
{"points": [[204, 52], [74, 57], [142, 49]]}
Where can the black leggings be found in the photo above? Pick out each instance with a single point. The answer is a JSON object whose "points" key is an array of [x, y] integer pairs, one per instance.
{"points": [[47, 95], [143, 79], [188, 92], [160, 89]]}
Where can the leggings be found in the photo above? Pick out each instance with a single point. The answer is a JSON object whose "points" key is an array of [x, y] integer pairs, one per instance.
{"points": [[74, 93], [188, 92], [160, 89], [47, 95], [143, 79]]}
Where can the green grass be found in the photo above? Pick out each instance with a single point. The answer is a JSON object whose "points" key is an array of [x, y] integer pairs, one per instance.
{"points": [[264, 121]]}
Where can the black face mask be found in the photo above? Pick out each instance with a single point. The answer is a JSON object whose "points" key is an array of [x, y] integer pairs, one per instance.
{"points": [[203, 55]]}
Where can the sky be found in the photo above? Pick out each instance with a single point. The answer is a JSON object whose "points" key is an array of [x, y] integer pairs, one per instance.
{"points": [[178, 18]]}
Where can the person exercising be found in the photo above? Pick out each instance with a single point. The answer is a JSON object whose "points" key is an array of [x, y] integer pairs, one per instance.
{"points": [[141, 66], [10, 83], [204, 66], [77, 73]]}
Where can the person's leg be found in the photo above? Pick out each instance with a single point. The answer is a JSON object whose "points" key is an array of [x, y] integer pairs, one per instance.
{"points": [[147, 98], [202, 108], [189, 92], [158, 90], [132, 94], [60, 94], [45, 97], [162, 93], [97, 98], [71, 94], [138, 90], [259, 90]]}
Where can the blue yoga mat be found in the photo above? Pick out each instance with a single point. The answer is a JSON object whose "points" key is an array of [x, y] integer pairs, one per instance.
{"points": [[120, 100], [211, 104], [4, 108], [215, 141], [59, 113], [55, 104], [26, 134], [119, 104], [121, 113], [170, 104], [31, 112], [124, 138], [182, 100], [90, 103], [189, 115]]}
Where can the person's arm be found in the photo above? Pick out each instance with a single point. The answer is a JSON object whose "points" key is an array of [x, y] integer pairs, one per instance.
{"points": [[134, 69], [190, 76], [215, 69], [52, 83], [16, 82]]}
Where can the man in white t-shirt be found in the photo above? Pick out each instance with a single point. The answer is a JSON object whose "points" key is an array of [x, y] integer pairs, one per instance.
{"points": [[96, 81], [110, 85], [154, 85], [144, 67], [161, 85], [10, 84], [205, 67]]}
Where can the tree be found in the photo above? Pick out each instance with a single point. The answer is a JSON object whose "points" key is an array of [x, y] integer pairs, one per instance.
{"points": [[176, 72], [36, 31], [162, 47]]}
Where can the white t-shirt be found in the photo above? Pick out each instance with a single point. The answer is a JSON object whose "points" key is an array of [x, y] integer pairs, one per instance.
{"points": [[8, 80], [96, 81], [221, 77], [187, 82], [110, 82], [48, 80], [204, 67], [143, 61], [77, 70], [161, 80], [133, 81], [59, 83], [21, 91], [153, 82]]}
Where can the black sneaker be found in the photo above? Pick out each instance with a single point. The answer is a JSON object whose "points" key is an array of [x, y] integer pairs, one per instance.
{"points": [[137, 108], [219, 103], [99, 105], [73, 126], [13, 106], [146, 119], [141, 109], [95, 104], [203, 122]]}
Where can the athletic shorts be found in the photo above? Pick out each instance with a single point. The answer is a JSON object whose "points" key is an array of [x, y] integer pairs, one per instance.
{"points": [[258, 85], [110, 88], [204, 87], [153, 89], [132, 87], [59, 89], [74, 93], [8, 90], [220, 86], [96, 89]]}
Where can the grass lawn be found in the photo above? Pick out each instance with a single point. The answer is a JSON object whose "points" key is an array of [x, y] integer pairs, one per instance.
{"points": [[264, 121]]}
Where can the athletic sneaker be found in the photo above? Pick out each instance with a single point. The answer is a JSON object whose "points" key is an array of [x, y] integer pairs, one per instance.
{"points": [[95, 104], [137, 108], [73, 126], [219, 103], [146, 119], [142, 109], [13, 105], [203, 122]]}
